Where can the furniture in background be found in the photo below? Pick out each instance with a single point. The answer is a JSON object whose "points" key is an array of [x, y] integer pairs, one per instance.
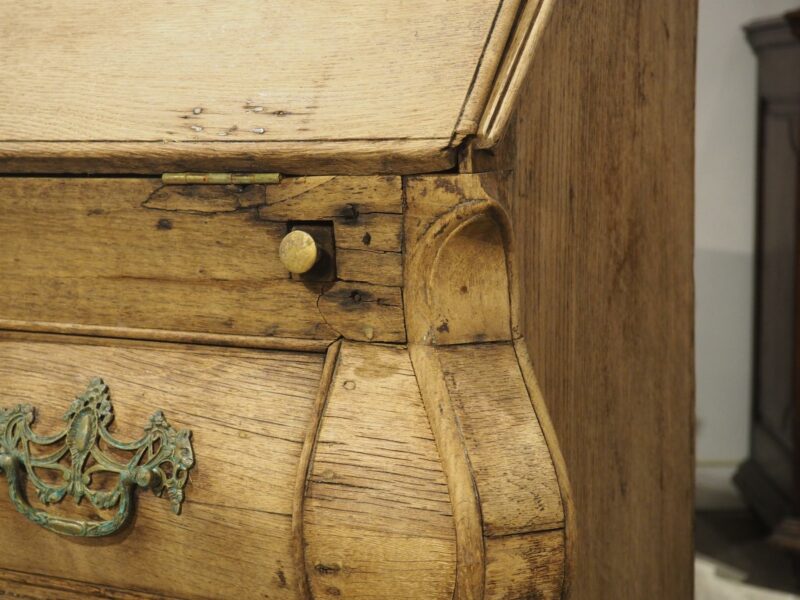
{"points": [[770, 478]]}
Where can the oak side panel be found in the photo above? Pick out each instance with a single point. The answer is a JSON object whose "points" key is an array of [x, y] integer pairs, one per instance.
{"points": [[601, 198], [378, 519], [249, 412]]}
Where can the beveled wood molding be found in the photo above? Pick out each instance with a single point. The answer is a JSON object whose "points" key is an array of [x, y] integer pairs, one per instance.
{"points": [[375, 123], [470, 552], [323, 157], [546, 423], [510, 77], [163, 335], [304, 469], [463, 339], [445, 217]]}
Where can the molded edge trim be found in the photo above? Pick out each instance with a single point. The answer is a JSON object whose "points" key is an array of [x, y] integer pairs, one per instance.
{"points": [[470, 550], [304, 469], [549, 432], [510, 77], [323, 157]]}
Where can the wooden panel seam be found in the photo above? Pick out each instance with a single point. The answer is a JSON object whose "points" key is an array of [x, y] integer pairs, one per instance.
{"points": [[304, 467], [467, 513], [475, 100], [50, 585], [405, 157], [513, 71], [564, 486], [162, 335]]}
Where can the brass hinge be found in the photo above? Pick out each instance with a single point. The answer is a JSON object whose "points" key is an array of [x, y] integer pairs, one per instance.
{"points": [[220, 178]]}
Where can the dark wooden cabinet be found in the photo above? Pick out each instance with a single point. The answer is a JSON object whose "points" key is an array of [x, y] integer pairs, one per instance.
{"points": [[770, 478]]}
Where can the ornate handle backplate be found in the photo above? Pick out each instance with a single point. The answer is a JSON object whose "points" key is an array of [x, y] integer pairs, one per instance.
{"points": [[160, 461]]}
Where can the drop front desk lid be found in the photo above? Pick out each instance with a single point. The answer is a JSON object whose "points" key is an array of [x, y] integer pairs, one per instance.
{"points": [[296, 86]]}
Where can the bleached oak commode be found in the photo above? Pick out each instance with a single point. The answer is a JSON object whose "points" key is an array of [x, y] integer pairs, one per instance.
{"points": [[258, 304]]}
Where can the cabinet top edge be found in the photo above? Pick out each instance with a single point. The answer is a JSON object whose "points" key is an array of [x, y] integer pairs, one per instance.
{"points": [[783, 30]]}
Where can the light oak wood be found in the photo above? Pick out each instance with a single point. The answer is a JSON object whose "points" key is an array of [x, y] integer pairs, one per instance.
{"points": [[368, 469], [599, 187], [172, 85], [364, 312], [511, 463], [249, 412], [162, 335], [119, 254], [26, 586], [370, 494], [471, 558], [377, 508], [186, 77], [304, 467], [457, 263], [413, 472], [366, 213], [525, 566], [361, 157], [571, 531], [484, 410], [530, 27]]}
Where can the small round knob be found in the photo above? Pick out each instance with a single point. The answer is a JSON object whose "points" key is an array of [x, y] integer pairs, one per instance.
{"points": [[298, 251]]}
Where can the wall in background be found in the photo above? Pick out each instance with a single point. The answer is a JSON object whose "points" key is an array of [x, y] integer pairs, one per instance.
{"points": [[724, 239]]}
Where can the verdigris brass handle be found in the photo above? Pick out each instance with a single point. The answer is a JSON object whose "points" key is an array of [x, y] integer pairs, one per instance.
{"points": [[160, 460]]}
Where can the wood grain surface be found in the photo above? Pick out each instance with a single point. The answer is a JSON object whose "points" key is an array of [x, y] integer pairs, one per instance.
{"points": [[239, 71], [525, 566], [283, 85], [511, 463], [458, 287], [130, 253], [355, 157], [25, 586], [596, 173], [367, 216], [601, 198], [304, 467], [468, 522], [510, 496], [530, 25], [378, 517], [248, 411]]}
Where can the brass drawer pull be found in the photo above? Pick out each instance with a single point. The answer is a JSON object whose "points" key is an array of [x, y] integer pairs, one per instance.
{"points": [[298, 252], [160, 461]]}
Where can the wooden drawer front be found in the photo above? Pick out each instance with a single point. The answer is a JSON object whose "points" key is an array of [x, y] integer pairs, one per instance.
{"points": [[111, 255], [418, 470], [314, 474], [248, 412]]}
